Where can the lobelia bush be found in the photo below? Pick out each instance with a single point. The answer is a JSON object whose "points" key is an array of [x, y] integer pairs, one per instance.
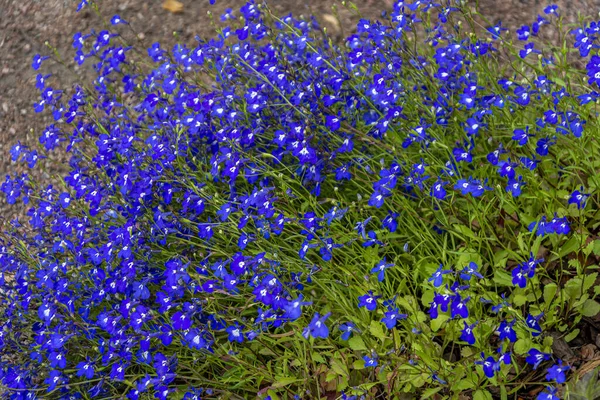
{"points": [[409, 213]]}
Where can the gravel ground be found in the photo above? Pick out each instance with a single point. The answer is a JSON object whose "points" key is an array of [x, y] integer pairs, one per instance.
{"points": [[25, 25]]}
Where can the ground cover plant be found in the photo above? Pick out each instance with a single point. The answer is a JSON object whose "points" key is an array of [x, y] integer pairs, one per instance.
{"points": [[267, 213]]}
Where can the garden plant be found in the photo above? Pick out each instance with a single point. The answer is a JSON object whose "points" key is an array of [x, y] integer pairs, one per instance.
{"points": [[269, 213]]}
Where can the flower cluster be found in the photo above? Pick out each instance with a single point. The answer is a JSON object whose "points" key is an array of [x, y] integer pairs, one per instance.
{"points": [[234, 202]]}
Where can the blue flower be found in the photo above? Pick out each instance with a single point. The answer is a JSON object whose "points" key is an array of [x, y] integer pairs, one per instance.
{"points": [[85, 369], [578, 198], [533, 324], [437, 277], [293, 309], [348, 328], [370, 362], [490, 366], [380, 268], [536, 357], [551, 9], [523, 32], [54, 378], [507, 332], [181, 321], [458, 308], [235, 333], [521, 136], [529, 48], [369, 301], [548, 394], [438, 191], [470, 270], [116, 20], [392, 316], [317, 327], [557, 372], [467, 334], [37, 61]]}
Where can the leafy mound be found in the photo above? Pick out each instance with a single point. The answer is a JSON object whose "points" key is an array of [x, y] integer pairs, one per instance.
{"points": [[269, 212]]}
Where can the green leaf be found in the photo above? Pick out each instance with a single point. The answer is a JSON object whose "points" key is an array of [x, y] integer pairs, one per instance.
{"points": [[462, 385], [589, 280], [587, 387], [547, 343], [500, 258], [281, 381], [437, 323], [358, 364], [572, 288], [559, 81], [428, 393], [522, 346], [376, 329], [590, 308], [427, 297], [569, 247], [519, 300], [597, 247], [572, 335], [338, 366], [356, 343], [549, 292], [482, 395], [465, 231], [502, 278], [317, 357]]}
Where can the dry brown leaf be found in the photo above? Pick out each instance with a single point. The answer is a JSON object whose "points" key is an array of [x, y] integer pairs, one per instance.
{"points": [[173, 6], [587, 367], [588, 351], [333, 21]]}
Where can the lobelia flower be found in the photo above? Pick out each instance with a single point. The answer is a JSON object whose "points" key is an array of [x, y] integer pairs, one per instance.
{"points": [[522, 136], [515, 186], [533, 324], [380, 268], [235, 333], [37, 61], [392, 316], [116, 20], [85, 369], [470, 270], [490, 366], [458, 308], [437, 276], [438, 191], [370, 362], [506, 169], [548, 394], [293, 309], [523, 32], [369, 301], [467, 334], [557, 372], [54, 378], [528, 49], [348, 328], [536, 357], [506, 331], [579, 198], [390, 222], [317, 327]]}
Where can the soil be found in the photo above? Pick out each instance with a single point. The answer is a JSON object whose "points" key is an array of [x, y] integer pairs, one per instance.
{"points": [[26, 25]]}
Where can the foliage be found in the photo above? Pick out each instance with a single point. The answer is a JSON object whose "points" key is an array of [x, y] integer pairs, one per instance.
{"points": [[271, 213]]}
